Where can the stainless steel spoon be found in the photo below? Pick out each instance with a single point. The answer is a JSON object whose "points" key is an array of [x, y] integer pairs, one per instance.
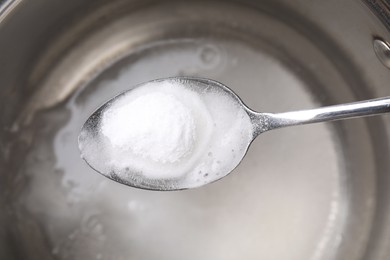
{"points": [[93, 152]]}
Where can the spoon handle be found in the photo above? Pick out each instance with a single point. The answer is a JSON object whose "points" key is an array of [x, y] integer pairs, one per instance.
{"points": [[357, 109]]}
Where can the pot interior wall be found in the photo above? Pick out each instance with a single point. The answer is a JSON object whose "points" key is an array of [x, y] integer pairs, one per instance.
{"points": [[309, 192]]}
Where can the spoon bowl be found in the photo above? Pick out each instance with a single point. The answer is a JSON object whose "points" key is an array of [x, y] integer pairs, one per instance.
{"points": [[211, 159], [225, 128]]}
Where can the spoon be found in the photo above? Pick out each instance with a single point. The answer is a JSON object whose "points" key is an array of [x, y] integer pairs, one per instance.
{"points": [[99, 155]]}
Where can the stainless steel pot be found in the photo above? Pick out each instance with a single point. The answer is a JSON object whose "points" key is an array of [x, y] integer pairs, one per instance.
{"points": [[314, 192]]}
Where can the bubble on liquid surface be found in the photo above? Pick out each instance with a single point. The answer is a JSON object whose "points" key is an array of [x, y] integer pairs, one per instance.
{"points": [[210, 56], [170, 131]]}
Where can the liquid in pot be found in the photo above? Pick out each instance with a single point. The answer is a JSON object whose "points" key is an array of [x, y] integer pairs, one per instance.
{"points": [[282, 202]]}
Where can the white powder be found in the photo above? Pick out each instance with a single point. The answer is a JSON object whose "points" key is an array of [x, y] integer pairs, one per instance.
{"points": [[156, 126], [179, 132]]}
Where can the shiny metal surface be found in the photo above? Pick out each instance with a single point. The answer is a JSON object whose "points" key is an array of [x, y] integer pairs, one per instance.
{"points": [[382, 51], [331, 113], [326, 198], [262, 122]]}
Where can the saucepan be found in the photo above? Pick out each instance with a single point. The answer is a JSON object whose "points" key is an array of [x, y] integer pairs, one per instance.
{"points": [[313, 192]]}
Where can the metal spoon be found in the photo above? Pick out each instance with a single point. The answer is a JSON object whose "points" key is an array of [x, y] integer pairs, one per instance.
{"points": [[89, 141]]}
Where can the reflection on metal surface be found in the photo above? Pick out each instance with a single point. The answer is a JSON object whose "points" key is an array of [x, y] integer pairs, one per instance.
{"points": [[343, 111], [6, 7], [382, 51]]}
